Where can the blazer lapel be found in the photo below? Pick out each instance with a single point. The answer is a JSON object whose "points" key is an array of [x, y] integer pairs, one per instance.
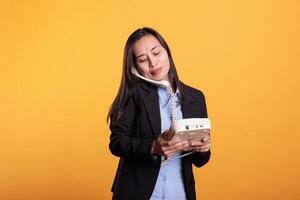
{"points": [[187, 107], [151, 103]]}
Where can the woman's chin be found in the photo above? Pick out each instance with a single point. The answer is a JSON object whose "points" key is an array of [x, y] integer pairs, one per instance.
{"points": [[160, 78]]}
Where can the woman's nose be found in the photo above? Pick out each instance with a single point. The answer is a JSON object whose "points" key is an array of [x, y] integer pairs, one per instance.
{"points": [[152, 61]]}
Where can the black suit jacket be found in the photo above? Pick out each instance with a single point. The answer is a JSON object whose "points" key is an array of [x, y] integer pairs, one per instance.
{"points": [[132, 137]]}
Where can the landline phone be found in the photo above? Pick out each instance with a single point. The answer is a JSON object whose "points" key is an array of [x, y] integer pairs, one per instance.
{"points": [[191, 129]]}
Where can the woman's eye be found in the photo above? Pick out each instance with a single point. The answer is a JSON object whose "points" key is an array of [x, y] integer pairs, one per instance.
{"points": [[142, 61], [156, 53]]}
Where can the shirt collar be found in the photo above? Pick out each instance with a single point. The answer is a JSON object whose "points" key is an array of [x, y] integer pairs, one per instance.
{"points": [[165, 97]]}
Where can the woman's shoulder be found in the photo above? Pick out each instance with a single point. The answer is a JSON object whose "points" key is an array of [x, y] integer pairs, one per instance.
{"points": [[141, 87], [189, 90], [141, 90]]}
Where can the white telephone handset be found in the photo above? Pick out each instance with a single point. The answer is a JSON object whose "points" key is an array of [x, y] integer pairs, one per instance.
{"points": [[159, 83]]}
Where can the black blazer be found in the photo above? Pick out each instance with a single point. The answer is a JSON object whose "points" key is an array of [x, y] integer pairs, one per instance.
{"points": [[132, 137]]}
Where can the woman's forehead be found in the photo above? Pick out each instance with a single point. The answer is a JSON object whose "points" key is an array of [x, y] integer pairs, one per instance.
{"points": [[146, 43]]}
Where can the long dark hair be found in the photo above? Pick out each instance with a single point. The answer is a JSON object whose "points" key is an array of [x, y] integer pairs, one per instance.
{"points": [[129, 80]]}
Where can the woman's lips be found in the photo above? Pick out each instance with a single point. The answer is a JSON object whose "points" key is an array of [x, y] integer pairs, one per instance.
{"points": [[155, 72]]}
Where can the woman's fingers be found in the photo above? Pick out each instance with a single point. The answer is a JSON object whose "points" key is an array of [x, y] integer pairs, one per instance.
{"points": [[202, 148], [169, 148], [201, 143], [168, 134], [173, 146]]}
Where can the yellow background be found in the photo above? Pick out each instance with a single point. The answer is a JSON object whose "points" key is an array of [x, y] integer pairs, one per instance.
{"points": [[61, 68]]}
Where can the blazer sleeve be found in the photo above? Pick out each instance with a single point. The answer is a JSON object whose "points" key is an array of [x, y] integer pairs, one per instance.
{"points": [[198, 158], [122, 143]]}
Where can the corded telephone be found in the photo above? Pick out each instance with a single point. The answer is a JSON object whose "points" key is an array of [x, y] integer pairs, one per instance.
{"points": [[191, 129]]}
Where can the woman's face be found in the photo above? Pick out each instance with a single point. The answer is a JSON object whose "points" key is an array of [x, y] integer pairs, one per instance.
{"points": [[151, 58]]}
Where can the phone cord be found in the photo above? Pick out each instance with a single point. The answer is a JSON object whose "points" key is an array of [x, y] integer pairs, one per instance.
{"points": [[173, 107]]}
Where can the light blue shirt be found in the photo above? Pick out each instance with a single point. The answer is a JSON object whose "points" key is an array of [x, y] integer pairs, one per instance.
{"points": [[169, 184]]}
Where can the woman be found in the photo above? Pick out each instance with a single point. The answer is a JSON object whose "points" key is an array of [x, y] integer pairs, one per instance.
{"points": [[142, 111]]}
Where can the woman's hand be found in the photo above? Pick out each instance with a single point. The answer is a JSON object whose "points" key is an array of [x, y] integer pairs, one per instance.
{"points": [[201, 146], [167, 145]]}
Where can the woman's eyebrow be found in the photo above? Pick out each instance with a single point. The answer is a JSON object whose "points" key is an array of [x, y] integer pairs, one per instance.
{"points": [[154, 47], [150, 50], [140, 55]]}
